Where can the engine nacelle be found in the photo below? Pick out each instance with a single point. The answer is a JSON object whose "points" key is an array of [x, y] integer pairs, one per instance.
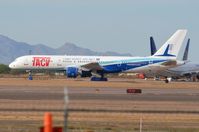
{"points": [[72, 72]]}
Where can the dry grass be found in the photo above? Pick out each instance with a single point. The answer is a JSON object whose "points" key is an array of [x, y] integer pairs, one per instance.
{"points": [[127, 122], [101, 121]]}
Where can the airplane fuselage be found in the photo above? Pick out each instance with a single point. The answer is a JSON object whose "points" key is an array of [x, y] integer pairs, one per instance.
{"points": [[187, 68], [110, 64]]}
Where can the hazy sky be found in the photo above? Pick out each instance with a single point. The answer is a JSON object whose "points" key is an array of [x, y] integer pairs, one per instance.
{"points": [[101, 25]]}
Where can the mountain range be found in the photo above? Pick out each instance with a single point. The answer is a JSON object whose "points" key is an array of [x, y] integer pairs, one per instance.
{"points": [[11, 49]]}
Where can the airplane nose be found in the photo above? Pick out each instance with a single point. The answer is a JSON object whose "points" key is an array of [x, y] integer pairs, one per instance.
{"points": [[11, 65]]}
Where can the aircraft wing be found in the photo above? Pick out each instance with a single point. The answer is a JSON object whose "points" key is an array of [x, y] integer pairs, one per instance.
{"points": [[93, 66]]}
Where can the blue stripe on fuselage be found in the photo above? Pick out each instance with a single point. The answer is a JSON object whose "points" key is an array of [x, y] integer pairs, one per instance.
{"points": [[119, 66]]}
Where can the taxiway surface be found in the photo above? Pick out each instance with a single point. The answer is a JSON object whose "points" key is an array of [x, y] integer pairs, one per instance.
{"points": [[56, 93]]}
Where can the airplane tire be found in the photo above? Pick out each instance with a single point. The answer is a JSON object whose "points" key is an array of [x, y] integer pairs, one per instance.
{"points": [[98, 79]]}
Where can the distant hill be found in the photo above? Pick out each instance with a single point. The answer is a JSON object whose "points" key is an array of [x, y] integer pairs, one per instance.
{"points": [[11, 49]]}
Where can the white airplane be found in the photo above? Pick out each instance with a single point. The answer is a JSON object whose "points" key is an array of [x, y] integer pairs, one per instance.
{"points": [[163, 59], [189, 69]]}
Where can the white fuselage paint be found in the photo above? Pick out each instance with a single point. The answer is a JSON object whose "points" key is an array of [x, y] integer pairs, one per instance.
{"points": [[56, 62]]}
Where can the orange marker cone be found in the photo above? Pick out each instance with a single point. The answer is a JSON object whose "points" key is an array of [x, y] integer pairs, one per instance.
{"points": [[48, 122]]}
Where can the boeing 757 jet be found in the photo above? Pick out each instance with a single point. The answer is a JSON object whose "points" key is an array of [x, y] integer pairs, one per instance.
{"points": [[163, 59]]}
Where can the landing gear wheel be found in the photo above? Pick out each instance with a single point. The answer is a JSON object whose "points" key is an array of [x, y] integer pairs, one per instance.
{"points": [[98, 79], [30, 76], [166, 81]]}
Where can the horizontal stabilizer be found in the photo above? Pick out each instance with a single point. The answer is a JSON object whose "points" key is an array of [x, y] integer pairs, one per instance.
{"points": [[170, 63]]}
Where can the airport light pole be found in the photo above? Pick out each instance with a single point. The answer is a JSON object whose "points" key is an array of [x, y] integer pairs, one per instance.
{"points": [[66, 100]]}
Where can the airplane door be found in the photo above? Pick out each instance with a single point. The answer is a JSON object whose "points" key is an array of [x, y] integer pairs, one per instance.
{"points": [[26, 62], [59, 63], [119, 65]]}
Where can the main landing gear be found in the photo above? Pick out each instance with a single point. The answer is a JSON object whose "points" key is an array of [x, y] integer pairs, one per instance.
{"points": [[30, 75], [167, 80], [102, 78]]}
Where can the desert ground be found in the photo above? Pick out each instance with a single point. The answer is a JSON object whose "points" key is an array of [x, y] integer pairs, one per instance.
{"points": [[99, 106]]}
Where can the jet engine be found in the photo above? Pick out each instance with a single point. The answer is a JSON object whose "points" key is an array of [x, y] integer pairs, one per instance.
{"points": [[72, 72]]}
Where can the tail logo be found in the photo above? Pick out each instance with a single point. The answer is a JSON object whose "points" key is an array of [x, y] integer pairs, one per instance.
{"points": [[166, 52]]}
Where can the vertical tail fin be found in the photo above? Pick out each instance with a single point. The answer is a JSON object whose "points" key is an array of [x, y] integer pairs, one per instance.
{"points": [[153, 46], [172, 46], [185, 56]]}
